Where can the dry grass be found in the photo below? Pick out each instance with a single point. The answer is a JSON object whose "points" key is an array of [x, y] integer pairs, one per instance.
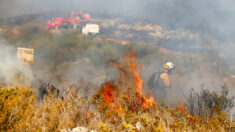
{"points": [[20, 111], [117, 106]]}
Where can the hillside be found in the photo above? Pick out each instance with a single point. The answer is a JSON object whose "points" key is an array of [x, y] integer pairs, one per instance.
{"points": [[154, 45], [82, 66]]}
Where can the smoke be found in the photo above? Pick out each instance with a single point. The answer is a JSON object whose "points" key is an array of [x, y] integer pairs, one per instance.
{"points": [[197, 15], [212, 18], [210, 23], [11, 72]]}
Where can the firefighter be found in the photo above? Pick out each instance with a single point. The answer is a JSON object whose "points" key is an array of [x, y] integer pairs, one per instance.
{"points": [[160, 81]]}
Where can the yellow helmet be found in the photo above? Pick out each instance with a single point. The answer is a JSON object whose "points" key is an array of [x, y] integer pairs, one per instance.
{"points": [[169, 65]]}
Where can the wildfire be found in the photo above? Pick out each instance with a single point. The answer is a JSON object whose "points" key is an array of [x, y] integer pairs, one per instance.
{"points": [[114, 91], [133, 66], [108, 91]]}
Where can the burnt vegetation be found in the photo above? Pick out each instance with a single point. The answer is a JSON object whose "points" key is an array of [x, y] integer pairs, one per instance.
{"points": [[85, 90]]}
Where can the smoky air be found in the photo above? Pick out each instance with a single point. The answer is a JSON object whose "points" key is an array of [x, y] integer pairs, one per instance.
{"points": [[196, 36]]}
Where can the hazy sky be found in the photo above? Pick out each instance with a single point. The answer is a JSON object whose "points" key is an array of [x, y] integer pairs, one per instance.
{"points": [[198, 15]]}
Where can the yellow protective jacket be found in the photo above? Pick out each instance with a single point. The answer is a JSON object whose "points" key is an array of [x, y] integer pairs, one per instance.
{"points": [[159, 80], [158, 83], [165, 78]]}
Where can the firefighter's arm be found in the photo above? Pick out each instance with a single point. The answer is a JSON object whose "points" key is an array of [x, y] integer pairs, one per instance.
{"points": [[165, 77]]}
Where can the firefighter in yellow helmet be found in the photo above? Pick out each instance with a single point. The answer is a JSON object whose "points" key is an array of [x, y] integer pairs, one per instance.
{"points": [[160, 81]]}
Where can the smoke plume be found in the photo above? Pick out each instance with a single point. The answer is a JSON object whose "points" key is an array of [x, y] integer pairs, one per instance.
{"points": [[11, 71]]}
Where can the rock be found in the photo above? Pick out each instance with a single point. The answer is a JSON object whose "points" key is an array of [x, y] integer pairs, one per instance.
{"points": [[65, 130], [80, 129], [138, 126]]}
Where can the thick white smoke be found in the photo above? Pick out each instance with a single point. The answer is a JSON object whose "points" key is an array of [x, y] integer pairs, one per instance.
{"points": [[11, 71]]}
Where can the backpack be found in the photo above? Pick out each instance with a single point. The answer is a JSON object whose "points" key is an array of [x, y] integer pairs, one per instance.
{"points": [[155, 81]]}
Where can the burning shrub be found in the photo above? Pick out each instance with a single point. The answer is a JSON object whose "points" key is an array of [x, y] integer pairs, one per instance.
{"points": [[120, 110], [119, 104], [122, 106], [125, 94]]}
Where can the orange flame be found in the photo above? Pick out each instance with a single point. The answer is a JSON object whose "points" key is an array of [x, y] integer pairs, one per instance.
{"points": [[138, 81], [181, 108], [111, 98], [111, 93], [108, 92]]}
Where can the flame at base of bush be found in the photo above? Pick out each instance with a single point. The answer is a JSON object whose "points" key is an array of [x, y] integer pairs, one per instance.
{"points": [[124, 94]]}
